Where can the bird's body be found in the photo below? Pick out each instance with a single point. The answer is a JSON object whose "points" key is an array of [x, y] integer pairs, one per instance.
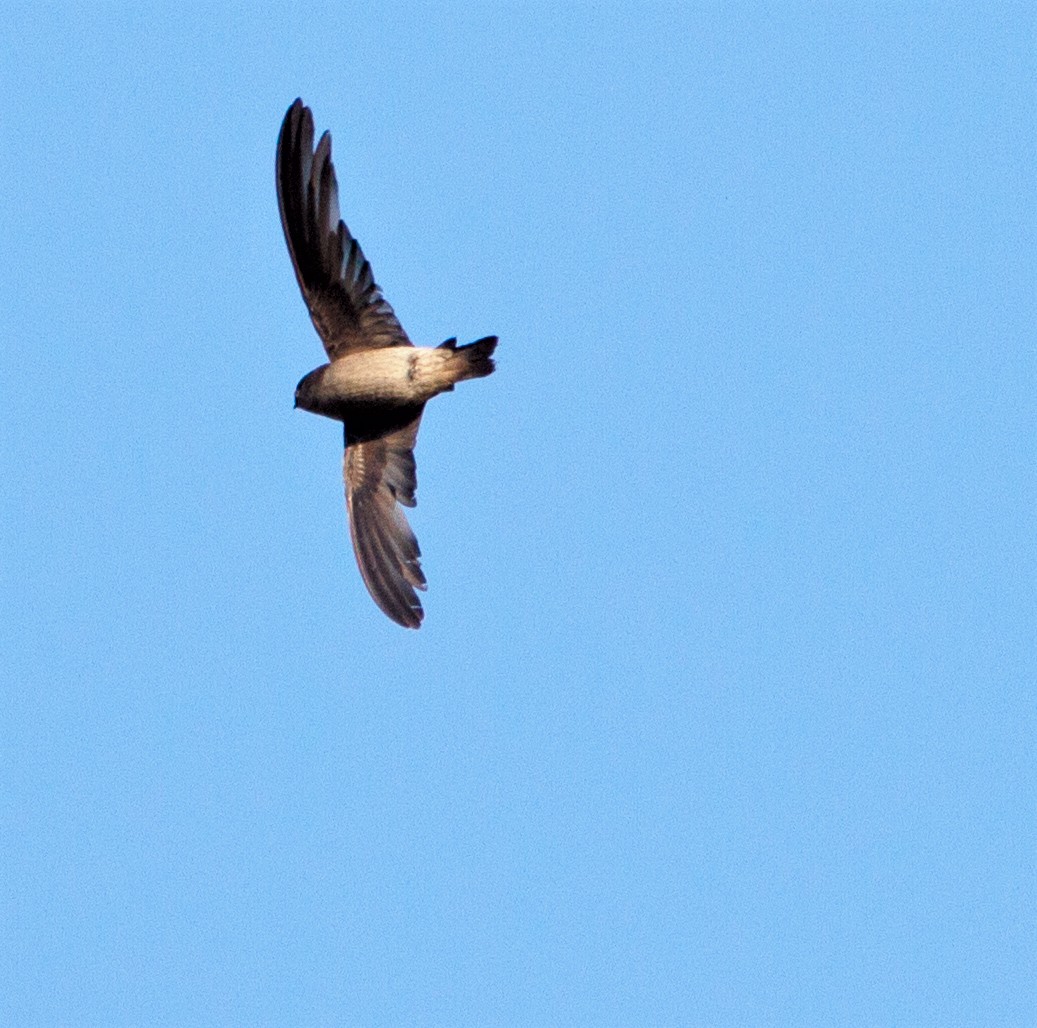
{"points": [[394, 377], [376, 381]]}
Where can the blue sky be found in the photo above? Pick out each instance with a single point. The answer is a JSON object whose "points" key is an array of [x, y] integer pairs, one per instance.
{"points": [[723, 709]]}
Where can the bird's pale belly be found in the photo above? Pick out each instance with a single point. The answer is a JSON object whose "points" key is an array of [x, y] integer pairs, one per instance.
{"points": [[376, 380]]}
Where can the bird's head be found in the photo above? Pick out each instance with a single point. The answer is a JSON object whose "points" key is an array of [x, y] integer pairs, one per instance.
{"points": [[307, 389]]}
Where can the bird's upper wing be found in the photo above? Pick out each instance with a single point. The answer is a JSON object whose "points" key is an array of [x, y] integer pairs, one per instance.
{"points": [[347, 307], [380, 475]]}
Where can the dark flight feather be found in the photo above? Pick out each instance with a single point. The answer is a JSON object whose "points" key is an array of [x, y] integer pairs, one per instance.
{"points": [[380, 474], [347, 307]]}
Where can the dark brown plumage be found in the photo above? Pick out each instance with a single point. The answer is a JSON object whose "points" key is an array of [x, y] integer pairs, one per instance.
{"points": [[376, 382]]}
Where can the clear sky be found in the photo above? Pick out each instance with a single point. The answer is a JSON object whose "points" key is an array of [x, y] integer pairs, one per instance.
{"points": [[723, 710]]}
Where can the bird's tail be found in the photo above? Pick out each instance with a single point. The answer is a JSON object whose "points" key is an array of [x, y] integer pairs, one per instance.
{"points": [[472, 361]]}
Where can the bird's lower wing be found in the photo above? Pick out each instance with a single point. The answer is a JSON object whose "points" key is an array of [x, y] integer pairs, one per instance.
{"points": [[380, 475]]}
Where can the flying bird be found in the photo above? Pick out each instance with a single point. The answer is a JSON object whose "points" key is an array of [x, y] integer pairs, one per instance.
{"points": [[376, 382]]}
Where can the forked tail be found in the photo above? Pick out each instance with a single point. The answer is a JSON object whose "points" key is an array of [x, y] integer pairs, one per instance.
{"points": [[475, 360]]}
